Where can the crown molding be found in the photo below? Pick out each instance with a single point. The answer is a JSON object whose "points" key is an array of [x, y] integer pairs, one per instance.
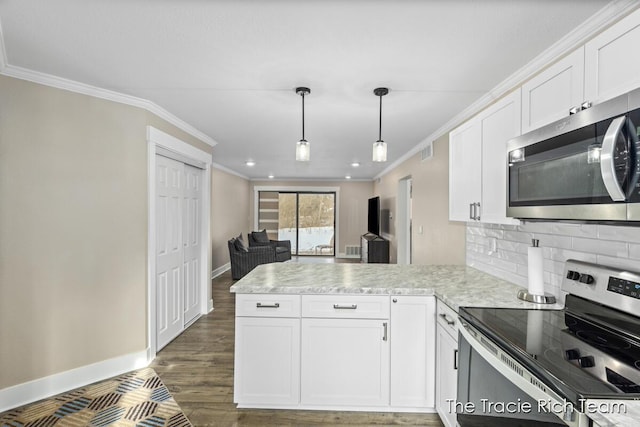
{"points": [[311, 179], [219, 167], [94, 91], [598, 22]]}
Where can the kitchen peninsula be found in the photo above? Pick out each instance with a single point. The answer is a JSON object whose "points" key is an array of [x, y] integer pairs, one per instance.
{"points": [[350, 336]]}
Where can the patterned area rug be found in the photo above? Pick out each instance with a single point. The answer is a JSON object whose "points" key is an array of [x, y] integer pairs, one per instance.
{"points": [[138, 398]]}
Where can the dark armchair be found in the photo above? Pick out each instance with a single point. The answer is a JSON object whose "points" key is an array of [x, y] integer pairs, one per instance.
{"points": [[282, 248], [244, 259]]}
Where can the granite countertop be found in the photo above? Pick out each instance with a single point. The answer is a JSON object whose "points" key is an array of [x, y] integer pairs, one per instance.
{"points": [[455, 285]]}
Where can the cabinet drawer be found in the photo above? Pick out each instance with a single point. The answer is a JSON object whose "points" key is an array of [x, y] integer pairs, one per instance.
{"points": [[447, 318], [346, 306], [267, 305]]}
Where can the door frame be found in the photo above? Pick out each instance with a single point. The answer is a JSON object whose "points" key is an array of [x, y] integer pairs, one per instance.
{"points": [[403, 221], [161, 142]]}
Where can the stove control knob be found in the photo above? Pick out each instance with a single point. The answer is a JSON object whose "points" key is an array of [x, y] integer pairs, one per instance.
{"points": [[573, 275], [572, 354], [587, 362], [586, 278]]}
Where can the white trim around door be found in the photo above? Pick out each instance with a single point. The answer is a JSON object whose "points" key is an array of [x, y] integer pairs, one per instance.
{"points": [[163, 142]]}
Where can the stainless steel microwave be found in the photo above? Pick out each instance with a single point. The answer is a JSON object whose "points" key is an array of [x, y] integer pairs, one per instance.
{"points": [[584, 167]]}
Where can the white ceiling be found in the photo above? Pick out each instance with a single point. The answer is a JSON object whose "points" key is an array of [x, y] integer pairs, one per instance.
{"points": [[229, 68]]}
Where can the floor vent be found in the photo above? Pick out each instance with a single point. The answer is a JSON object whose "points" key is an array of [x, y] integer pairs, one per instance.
{"points": [[352, 250]]}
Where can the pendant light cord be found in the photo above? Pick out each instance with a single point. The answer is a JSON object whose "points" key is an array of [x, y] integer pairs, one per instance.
{"points": [[303, 116], [380, 126]]}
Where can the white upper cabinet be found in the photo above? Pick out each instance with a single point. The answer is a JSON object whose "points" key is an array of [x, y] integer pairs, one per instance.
{"points": [[478, 163], [500, 122], [550, 95], [612, 61], [465, 170]]}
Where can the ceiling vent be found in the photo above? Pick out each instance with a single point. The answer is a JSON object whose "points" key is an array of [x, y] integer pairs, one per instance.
{"points": [[427, 152]]}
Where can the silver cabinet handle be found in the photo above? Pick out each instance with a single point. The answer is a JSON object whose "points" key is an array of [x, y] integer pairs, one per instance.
{"points": [[446, 319], [607, 162], [455, 359], [345, 307], [477, 218], [261, 305], [471, 209], [384, 325]]}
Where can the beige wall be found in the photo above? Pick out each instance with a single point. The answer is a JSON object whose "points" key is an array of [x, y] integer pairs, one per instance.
{"points": [[442, 241], [352, 214], [229, 213], [73, 227]]}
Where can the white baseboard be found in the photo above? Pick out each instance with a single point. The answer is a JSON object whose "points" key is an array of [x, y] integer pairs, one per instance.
{"points": [[32, 391], [342, 255], [218, 271]]}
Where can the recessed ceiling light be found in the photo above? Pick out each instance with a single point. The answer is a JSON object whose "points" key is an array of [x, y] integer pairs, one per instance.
{"points": [[355, 164], [347, 177], [271, 176], [250, 163]]}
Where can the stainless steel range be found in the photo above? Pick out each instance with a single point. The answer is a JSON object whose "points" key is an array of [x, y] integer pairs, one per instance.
{"points": [[549, 367]]}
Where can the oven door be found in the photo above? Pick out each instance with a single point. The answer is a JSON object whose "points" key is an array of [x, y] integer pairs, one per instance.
{"points": [[495, 390], [580, 168]]}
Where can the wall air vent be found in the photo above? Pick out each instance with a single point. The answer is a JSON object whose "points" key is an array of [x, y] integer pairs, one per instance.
{"points": [[427, 152]]}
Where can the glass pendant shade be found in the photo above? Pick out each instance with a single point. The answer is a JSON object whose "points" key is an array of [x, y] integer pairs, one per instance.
{"points": [[379, 151], [303, 151]]}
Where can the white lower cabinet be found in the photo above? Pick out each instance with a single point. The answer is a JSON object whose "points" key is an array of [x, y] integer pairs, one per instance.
{"points": [[345, 362], [267, 350], [446, 364], [413, 329]]}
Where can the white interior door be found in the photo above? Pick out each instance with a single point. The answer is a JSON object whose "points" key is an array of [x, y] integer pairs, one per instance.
{"points": [[191, 226], [169, 249]]}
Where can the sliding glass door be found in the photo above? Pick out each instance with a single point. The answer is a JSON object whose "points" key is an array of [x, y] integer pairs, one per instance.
{"points": [[307, 219]]}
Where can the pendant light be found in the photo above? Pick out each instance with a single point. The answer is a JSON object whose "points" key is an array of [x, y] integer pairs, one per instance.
{"points": [[303, 147], [380, 147]]}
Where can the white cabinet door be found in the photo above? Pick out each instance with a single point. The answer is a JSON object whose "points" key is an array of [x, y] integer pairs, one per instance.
{"points": [[500, 122], [413, 327], [465, 147], [267, 361], [345, 362], [446, 375], [612, 62], [550, 95]]}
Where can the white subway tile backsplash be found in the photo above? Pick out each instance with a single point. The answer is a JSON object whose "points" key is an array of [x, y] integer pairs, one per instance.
{"points": [[605, 244], [623, 234], [604, 247]]}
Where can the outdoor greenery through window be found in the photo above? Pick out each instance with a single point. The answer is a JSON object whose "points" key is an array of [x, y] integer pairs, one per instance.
{"points": [[306, 219]]}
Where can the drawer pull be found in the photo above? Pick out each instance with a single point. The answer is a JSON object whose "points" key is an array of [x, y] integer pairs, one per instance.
{"points": [[261, 305], [345, 307], [455, 359], [446, 319]]}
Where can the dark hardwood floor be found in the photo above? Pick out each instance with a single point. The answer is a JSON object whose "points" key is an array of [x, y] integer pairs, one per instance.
{"points": [[197, 367]]}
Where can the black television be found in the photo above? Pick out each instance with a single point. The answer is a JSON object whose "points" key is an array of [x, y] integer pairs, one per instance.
{"points": [[373, 223]]}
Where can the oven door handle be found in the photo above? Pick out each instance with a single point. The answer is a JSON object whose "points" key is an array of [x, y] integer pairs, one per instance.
{"points": [[607, 160]]}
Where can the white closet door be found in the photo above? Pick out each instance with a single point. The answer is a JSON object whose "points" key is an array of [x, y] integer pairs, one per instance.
{"points": [[192, 207], [169, 249]]}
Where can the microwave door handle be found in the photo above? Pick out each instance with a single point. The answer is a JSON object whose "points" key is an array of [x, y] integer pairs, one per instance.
{"points": [[607, 162]]}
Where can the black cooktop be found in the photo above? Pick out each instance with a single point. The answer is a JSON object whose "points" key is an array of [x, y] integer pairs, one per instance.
{"points": [[583, 351]]}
